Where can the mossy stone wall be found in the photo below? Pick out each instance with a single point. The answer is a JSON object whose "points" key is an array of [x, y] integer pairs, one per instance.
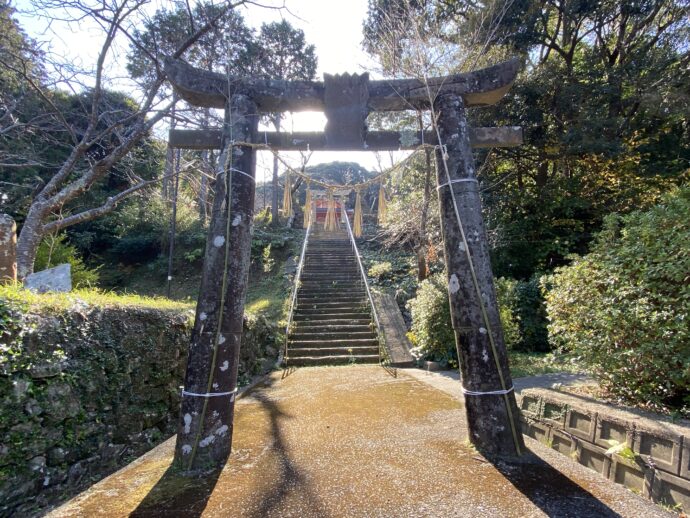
{"points": [[86, 388]]}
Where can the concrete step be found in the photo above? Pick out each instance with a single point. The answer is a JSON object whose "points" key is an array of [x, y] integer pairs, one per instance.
{"points": [[340, 303], [335, 332], [326, 292], [331, 278], [330, 313], [334, 351], [354, 342], [315, 260], [308, 361], [328, 271], [327, 295], [331, 252], [300, 335], [322, 284], [307, 322], [326, 301], [332, 307], [333, 259], [331, 297], [331, 272], [328, 268]]}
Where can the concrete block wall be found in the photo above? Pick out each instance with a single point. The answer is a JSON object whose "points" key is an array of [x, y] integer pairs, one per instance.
{"points": [[583, 429]]}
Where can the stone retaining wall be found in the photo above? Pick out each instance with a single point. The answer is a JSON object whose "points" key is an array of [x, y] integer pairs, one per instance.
{"points": [[85, 389], [655, 461]]}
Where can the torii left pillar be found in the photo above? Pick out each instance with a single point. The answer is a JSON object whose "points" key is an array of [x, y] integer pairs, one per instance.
{"points": [[204, 437]]}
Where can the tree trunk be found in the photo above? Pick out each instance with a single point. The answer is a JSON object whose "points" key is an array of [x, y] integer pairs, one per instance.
{"points": [[169, 156], [29, 240], [204, 438], [203, 181], [8, 250], [203, 187], [542, 174], [492, 418], [421, 251], [274, 194], [421, 263]]}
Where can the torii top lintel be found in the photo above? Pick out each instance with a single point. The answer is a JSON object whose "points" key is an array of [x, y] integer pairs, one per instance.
{"points": [[211, 90]]}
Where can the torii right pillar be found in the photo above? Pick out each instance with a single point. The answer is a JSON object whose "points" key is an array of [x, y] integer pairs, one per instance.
{"points": [[492, 413]]}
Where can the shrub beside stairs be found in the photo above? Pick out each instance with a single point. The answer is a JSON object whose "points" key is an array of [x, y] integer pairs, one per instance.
{"points": [[332, 322]]}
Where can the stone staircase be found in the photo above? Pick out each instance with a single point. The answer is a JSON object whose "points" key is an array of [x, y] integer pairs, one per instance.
{"points": [[332, 320]]}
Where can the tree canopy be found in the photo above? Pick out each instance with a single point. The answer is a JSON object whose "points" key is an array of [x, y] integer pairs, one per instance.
{"points": [[603, 101]]}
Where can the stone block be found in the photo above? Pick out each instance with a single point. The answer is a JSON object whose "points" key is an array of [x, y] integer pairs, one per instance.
{"points": [[631, 475], [554, 412], [562, 442], [581, 423], [609, 429], [685, 458], [537, 430], [593, 457], [670, 490], [659, 448], [52, 279], [530, 405]]}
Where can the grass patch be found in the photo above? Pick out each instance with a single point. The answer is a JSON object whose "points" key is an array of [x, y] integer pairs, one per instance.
{"points": [[266, 296], [95, 297], [533, 364]]}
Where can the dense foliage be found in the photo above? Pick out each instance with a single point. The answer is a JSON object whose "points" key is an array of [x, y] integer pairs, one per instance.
{"points": [[432, 332], [624, 306], [603, 103], [602, 99], [54, 250]]}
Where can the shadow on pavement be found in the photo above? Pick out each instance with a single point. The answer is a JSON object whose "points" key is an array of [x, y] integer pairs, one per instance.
{"points": [[187, 496], [550, 490], [178, 495], [290, 478]]}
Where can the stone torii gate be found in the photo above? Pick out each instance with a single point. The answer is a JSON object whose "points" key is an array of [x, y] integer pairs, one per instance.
{"points": [[206, 418]]}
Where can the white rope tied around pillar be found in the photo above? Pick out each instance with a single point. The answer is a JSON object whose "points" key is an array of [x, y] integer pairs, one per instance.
{"points": [[209, 394], [232, 169], [486, 393], [458, 180], [245, 174]]}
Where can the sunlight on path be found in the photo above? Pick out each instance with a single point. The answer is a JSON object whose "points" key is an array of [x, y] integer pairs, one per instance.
{"points": [[353, 441]]}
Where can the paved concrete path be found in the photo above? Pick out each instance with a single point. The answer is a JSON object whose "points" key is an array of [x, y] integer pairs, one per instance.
{"points": [[546, 381], [355, 441]]}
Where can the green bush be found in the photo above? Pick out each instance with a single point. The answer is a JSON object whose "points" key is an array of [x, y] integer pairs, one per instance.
{"points": [[137, 249], [530, 312], [432, 332], [380, 270], [624, 307], [506, 292], [54, 250]]}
